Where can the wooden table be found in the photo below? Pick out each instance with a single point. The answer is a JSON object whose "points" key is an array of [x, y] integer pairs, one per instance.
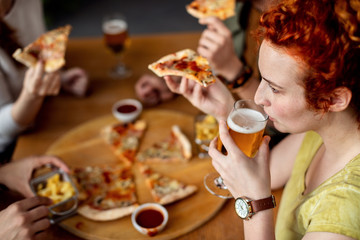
{"points": [[62, 113]]}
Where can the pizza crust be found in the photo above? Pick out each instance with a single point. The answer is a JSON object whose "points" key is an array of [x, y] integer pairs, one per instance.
{"points": [[184, 141], [105, 215], [180, 194]]}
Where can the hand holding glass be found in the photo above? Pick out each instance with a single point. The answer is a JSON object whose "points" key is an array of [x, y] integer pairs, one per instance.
{"points": [[115, 29], [246, 124]]}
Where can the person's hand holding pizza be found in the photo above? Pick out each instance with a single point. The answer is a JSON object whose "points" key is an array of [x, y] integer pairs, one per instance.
{"points": [[75, 81], [216, 45], [215, 99], [152, 90], [38, 83]]}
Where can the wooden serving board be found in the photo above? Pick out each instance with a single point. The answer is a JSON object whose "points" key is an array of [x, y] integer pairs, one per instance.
{"points": [[83, 146]]}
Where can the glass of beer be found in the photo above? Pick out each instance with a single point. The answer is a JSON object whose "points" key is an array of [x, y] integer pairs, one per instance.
{"points": [[115, 30], [246, 124]]}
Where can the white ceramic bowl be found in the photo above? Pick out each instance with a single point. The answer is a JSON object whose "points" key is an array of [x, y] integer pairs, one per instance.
{"points": [[145, 221], [127, 110]]}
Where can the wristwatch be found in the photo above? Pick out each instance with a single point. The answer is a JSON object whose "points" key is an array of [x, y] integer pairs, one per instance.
{"points": [[246, 208]]}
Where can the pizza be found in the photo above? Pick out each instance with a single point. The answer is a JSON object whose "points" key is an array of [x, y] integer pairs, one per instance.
{"points": [[186, 63], [175, 148], [49, 47], [222, 9], [105, 192], [164, 189], [124, 139]]}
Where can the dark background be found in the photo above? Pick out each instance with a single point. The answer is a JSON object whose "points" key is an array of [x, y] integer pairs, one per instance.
{"points": [[143, 16]]}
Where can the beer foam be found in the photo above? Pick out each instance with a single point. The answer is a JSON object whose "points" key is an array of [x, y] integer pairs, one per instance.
{"points": [[114, 26], [246, 121]]}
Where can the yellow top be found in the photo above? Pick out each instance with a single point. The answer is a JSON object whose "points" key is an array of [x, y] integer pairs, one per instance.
{"points": [[334, 206]]}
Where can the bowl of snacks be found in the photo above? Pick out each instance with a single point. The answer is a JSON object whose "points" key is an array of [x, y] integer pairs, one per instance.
{"points": [[127, 110], [58, 186], [150, 218], [206, 129]]}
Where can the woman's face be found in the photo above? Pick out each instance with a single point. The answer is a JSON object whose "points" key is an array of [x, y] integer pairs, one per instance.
{"points": [[281, 92]]}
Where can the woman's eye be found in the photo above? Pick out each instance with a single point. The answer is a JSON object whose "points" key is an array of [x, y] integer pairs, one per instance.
{"points": [[274, 90]]}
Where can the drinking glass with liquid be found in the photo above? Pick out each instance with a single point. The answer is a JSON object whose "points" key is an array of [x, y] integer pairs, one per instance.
{"points": [[246, 124], [116, 38]]}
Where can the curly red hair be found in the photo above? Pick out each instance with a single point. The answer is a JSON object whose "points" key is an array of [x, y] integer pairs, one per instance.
{"points": [[325, 35]]}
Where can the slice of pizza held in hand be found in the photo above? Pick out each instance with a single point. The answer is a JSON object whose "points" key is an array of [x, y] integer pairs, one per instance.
{"points": [[164, 189], [222, 9], [49, 47], [175, 148], [185, 63]]}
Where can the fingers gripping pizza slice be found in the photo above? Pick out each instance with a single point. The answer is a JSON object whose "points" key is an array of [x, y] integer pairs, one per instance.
{"points": [[186, 63], [222, 9], [49, 47], [124, 139], [106, 192], [176, 148], [166, 190]]}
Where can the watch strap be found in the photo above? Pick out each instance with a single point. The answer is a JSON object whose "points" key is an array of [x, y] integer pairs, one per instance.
{"points": [[263, 204]]}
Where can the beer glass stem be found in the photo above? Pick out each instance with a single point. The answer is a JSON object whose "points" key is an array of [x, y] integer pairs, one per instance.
{"points": [[120, 70]]}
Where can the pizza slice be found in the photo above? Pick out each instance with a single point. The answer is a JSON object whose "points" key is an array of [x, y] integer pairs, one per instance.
{"points": [[164, 189], [222, 9], [186, 63], [105, 192], [175, 148], [124, 139], [49, 47]]}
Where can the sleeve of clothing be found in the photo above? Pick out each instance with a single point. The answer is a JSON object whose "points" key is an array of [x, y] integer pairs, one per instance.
{"points": [[9, 128], [338, 212], [238, 32]]}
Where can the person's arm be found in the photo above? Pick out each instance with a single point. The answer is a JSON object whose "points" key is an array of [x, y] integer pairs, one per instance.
{"points": [[37, 85], [17, 174]]}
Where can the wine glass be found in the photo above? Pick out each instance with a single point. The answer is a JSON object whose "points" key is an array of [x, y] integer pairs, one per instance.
{"points": [[115, 30], [246, 124]]}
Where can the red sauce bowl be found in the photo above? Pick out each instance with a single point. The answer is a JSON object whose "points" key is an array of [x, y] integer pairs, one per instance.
{"points": [[150, 218], [127, 110]]}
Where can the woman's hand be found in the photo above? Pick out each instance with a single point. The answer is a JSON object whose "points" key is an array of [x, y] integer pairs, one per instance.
{"points": [[75, 81], [242, 175], [38, 83], [215, 99], [216, 45], [17, 174], [152, 90], [25, 219]]}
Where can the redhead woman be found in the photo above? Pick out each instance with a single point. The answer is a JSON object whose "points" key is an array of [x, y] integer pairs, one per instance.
{"points": [[309, 62]]}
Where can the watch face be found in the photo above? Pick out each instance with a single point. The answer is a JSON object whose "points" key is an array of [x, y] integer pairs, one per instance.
{"points": [[241, 208]]}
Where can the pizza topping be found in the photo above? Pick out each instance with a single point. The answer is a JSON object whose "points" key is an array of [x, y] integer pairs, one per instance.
{"points": [[124, 139], [175, 148], [49, 47], [186, 63], [165, 189], [222, 9]]}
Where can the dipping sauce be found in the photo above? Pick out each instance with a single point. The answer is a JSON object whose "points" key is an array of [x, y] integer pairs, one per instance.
{"points": [[149, 218], [126, 108]]}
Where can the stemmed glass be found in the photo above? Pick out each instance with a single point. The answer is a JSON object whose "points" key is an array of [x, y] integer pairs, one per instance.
{"points": [[115, 30], [246, 124]]}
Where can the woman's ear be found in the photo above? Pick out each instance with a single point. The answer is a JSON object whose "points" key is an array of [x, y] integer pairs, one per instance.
{"points": [[340, 99]]}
